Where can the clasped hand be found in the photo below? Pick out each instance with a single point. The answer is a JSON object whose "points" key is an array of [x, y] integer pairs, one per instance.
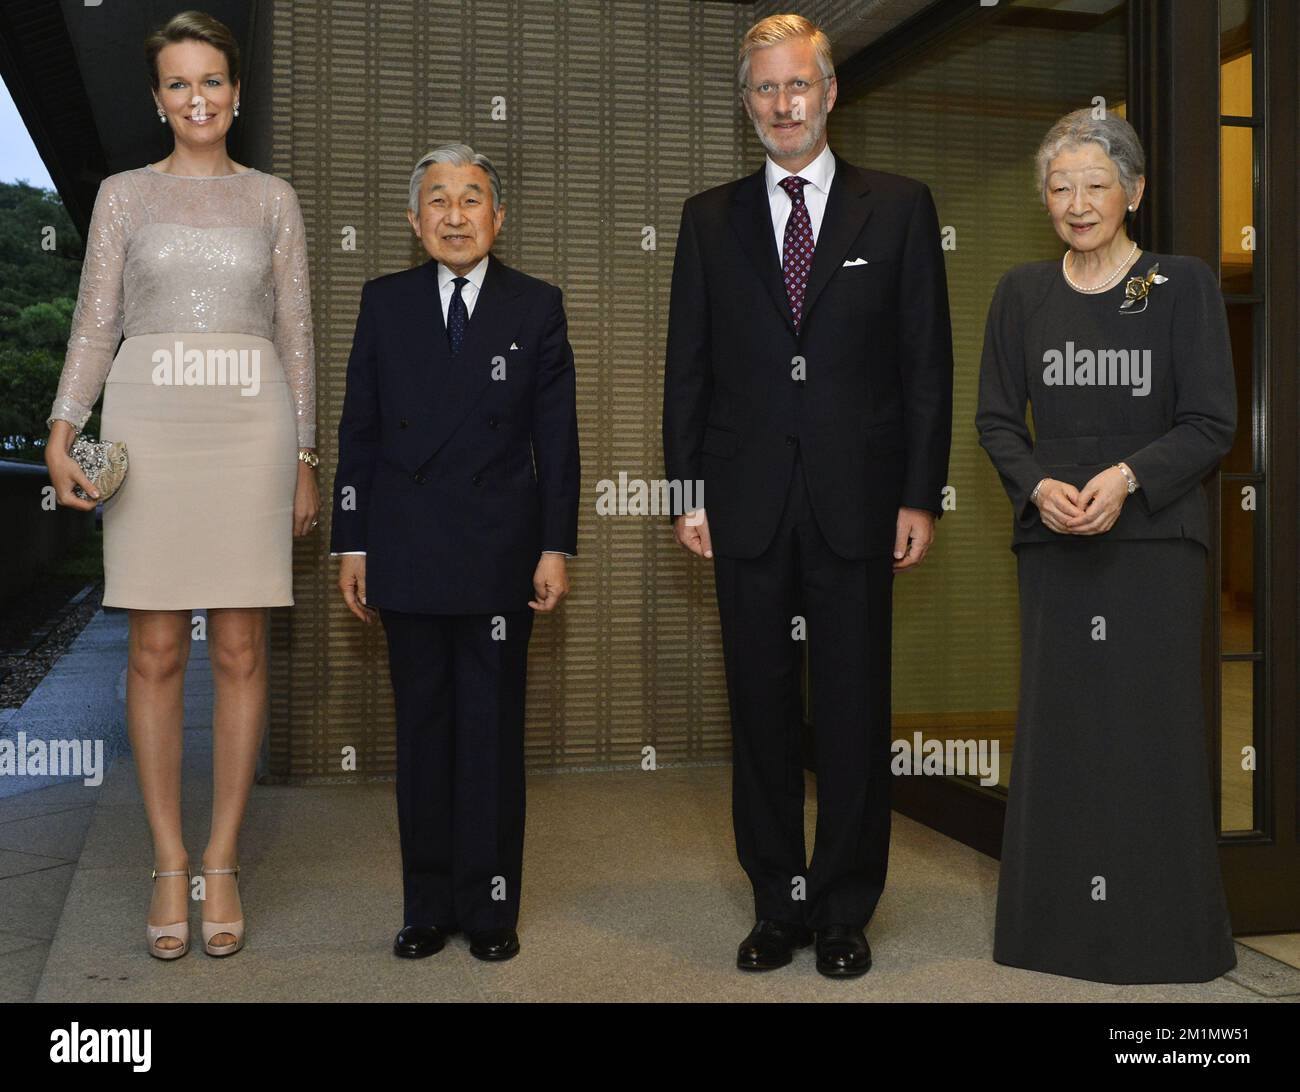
{"points": [[1091, 510]]}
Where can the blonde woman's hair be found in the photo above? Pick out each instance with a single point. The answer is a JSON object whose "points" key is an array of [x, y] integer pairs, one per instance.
{"points": [[783, 28], [192, 26]]}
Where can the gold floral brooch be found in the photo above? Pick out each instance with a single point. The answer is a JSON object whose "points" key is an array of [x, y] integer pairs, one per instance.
{"points": [[1137, 289]]}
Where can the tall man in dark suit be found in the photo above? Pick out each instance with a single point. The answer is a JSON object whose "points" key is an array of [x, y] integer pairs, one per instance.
{"points": [[808, 388], [455, 506]]}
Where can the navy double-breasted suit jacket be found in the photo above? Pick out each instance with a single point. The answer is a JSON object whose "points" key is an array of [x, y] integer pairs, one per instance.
{"points": [[455, 473]]}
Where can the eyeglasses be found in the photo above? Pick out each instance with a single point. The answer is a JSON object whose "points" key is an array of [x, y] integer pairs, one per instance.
{"points": [[768, 90]]}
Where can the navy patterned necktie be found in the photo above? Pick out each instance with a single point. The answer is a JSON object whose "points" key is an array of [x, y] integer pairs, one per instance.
{"points": [[797, 254], [457, 316]]}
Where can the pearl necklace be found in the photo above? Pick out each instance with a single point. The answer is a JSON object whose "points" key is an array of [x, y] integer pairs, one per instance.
{"points": [[1104, 284]]}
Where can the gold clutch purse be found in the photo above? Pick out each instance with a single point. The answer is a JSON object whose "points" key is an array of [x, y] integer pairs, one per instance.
{"points": [[104, 463]]}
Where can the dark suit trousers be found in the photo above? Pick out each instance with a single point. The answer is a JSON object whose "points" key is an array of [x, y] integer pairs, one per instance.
{"points": [[460, 764], [847, 607]]}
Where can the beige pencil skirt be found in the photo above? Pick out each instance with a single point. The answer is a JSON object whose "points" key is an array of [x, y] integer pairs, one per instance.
{"points": [[204, 517]]}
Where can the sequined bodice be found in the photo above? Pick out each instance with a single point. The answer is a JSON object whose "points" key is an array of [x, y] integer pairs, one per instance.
{"points": [[168, 253], [208, 279]]}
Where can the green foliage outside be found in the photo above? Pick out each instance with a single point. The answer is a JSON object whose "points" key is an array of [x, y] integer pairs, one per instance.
{"points": [[40, 267]]}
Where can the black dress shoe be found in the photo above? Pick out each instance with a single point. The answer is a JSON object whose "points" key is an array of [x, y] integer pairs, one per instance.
{"points": [[493, 944], [770, 944], [843, 951], [418, 941]]}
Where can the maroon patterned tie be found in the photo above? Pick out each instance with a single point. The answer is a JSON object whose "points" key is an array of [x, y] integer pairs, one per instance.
{"points": [[797, 255]]}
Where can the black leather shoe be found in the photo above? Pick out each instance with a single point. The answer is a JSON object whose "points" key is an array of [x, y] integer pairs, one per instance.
{"points": [[843, 951], [770, 945], [418, 941], [494, 944]]}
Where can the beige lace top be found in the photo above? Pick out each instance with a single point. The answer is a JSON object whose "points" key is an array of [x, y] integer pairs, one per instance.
{"points": [[169, 253]]}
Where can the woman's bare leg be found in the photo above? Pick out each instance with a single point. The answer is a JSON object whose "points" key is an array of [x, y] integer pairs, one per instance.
{"points": [[237, 647], [157, 651]]}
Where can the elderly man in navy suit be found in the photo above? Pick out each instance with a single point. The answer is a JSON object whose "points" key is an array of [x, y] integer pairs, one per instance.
{"points": [[455, 507]]}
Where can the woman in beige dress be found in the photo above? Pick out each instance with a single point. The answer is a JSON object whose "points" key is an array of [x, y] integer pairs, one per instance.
{"points": [[201, 263]]}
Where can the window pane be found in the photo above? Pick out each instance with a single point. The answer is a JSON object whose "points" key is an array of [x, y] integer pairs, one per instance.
{"points": [[1237, 590], [1234, 57], [1238, 737], [1241, 333], [1237, 207]]}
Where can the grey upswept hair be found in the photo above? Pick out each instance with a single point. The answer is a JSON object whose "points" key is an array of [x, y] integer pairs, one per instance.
{"points": [[459, 155], [1111, 133]]}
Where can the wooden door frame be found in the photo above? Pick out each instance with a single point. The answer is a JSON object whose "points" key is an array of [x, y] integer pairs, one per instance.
{"points": [[1174, 77]]}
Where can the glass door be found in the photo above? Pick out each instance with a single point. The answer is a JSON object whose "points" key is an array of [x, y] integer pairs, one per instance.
{"points": [[1255, 701]]}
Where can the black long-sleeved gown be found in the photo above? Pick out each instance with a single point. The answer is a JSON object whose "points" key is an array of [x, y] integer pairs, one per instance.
{"points": [[1110, 866]]}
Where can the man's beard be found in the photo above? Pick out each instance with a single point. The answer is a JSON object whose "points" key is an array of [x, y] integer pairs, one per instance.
{"points": [[815, 127]]}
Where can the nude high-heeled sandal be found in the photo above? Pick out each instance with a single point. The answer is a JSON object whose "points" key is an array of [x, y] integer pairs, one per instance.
{"points": [[180, 930], [212, 928]]}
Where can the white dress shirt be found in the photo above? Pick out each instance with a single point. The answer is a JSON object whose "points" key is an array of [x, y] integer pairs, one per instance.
{"points": [[469, 293], [819, 174]]}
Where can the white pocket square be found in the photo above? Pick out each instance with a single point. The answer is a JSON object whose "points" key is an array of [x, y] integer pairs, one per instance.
{"points": [[513, 345], [856, 261]]}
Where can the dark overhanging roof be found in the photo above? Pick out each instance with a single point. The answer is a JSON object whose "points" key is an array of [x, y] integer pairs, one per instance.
{"points": [[76, 73], [40, 69]]}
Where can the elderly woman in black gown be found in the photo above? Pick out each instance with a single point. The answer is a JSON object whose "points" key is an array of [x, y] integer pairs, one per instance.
{"points": [[1109, 861]]}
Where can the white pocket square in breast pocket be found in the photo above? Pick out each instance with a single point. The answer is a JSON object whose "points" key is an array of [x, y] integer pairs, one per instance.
{"points": [[856, 261]]}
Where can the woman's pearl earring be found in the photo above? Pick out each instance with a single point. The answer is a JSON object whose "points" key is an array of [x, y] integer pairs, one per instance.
{"points": [[236, 109], [162, 115]]}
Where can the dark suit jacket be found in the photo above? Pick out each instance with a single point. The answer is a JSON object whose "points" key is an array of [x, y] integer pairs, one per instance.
{"points": [[873, 415], [462, 470], [1171, 438]]}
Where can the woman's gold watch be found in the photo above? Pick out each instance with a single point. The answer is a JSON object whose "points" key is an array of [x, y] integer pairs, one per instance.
{"points": [[310, 458]]}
